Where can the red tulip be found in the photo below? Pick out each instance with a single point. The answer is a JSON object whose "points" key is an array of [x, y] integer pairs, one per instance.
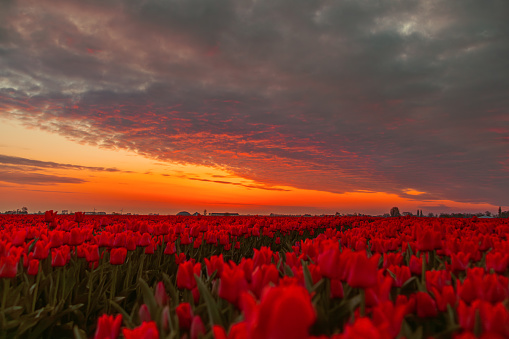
{"points": [[428, 239], [197, 327], [363, 270], [284, 312], [262, 276], [170, 248], [161, 296], [33, 267], [459, 261], [215, 264], [363, 328], [79, 217], [49, 216], [336, 288], [108, 327], [329, 263], [415, 265], [41, 251], [60, 256], [118, 255], [497, 261], [445, 297], [390, 317], [19, 238], [426, 306], [232, 284], [92, 253], [185, 315], [8, 266], [76, 237], [185, 275], [144, 313], [147, 330], [401, 274]]}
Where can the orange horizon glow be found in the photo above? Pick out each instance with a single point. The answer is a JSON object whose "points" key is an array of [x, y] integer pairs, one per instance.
{"points": [[143, 185]]}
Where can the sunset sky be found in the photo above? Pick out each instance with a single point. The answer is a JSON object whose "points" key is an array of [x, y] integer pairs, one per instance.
{"points": [[254, 106]]}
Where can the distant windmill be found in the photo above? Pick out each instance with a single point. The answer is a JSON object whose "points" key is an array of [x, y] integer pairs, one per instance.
{"points": [[121, 211]]}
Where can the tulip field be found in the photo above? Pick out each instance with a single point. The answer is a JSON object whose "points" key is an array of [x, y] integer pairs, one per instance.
{"points": [[81, 276]]}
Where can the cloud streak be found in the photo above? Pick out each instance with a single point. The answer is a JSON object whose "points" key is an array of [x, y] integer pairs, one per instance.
{"points": [[334, 96], [19, 161]]}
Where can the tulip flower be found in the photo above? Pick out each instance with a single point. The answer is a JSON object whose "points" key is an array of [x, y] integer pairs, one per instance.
{"points": [[33, 267], [232, 284], [284, 312], [108, 327], [41, 251], [459, 261], [214, 264], [60, 256], [445, 296], [144, 313], [363, 328], [170, 248], [401, 274], [363, 270], [79, 217], [262, 276], [8, 266], [329, 263], [185, 275], [147, 330], [426, 306], [161, 296], [197, 327], [185, 315], [49, 216], [118, 255]]}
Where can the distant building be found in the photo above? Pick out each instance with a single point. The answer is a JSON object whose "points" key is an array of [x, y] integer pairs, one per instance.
{"points": [[196, 214], [407, 214], [184, 213], [224, 214]]}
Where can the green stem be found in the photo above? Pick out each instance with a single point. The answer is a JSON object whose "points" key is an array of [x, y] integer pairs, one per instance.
{"points": [[34, 299], [90, 287], [63, 276], [4, 300], [113, 284], [56, 287], [423, 273], [127, 281], [363, 302], [113, 281]]}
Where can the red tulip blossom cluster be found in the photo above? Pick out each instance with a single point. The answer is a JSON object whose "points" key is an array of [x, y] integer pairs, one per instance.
{"points": [[253, 277]]}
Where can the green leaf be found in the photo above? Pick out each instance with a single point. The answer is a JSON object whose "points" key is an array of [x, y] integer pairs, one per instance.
{"points": [[49, 321], [409, 281], [32, 245], [148, 298], [308, 281], [288, 271], [215, 318], [125, 316], [78, 333]]}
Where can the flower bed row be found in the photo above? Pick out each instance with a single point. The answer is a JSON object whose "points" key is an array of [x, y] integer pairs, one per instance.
{"points": [[253, 277]]}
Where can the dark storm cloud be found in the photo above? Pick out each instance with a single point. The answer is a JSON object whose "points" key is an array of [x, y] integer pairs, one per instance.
{"points": [[336, 96]]}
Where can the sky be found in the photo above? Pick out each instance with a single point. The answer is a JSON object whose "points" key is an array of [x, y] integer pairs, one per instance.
{"points": [[254, 106]]}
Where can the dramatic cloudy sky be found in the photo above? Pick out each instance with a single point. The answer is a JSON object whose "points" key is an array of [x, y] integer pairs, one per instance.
{"points": [[254, 105]]}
